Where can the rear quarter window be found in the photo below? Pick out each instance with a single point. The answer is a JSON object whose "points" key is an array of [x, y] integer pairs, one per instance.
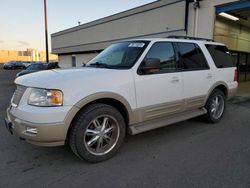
{"points": [[221, 56]]}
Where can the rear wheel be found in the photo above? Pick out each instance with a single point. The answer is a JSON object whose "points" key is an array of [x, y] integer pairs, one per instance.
{"points": [[215, 106], [97, 133]]}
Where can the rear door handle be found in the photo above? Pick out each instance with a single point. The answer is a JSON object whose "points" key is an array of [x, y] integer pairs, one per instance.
{"points": [[209, 75], [175, 79]]}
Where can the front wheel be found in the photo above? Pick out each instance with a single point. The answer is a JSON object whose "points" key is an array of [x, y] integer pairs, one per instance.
{"points": [[97, 133], [215, 106]]}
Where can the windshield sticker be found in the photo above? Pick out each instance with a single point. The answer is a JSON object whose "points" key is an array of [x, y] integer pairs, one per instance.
{"points": [[136, 45]]}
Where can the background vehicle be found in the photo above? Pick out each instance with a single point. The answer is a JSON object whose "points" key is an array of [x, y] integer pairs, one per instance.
{"points": [[28, 63], [14, 65], [35, 67]]}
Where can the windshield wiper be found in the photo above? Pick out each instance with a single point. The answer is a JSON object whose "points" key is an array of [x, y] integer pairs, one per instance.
{"points": [[98, 64], [103, 65]]}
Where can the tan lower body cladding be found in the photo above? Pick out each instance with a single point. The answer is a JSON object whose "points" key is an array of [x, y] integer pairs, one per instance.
{"points": [[167, 109]]}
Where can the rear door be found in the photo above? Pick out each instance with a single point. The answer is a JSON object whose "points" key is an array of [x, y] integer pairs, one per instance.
{"points": [[197, 76]]}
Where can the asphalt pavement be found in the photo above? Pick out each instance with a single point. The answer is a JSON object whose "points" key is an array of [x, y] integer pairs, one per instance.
{"points": [[188, 154]]}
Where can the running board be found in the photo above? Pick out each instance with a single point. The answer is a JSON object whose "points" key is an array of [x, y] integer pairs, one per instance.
{"points": [[158, 123]]}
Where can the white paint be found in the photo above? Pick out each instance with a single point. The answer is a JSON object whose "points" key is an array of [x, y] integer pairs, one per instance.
{"points": [[139, 91]]}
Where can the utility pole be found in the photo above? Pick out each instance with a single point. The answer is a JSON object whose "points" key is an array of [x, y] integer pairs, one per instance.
{"points": [[46, 31]]}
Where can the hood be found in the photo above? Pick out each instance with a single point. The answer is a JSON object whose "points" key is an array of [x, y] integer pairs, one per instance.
{"points": [[59, 77]]}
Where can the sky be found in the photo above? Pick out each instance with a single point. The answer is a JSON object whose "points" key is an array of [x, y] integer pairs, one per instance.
{"points": [[22, 21]]}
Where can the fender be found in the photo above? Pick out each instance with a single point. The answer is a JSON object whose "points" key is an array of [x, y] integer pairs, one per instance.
{"points": [[220, 83], [93, 97]]}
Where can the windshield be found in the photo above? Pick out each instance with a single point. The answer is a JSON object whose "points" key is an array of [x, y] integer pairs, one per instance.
{"points": [[36, 67], [121, 55]]}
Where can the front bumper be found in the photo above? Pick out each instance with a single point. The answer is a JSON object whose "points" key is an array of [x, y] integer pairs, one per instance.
{"points": [[42, 134]]}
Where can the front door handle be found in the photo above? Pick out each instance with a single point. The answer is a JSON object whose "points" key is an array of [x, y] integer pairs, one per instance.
{"points": [[175, 79], [209, 75]]}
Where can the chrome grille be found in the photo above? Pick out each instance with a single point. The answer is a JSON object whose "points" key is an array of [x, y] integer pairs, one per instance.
{"points": [[18, 95]]}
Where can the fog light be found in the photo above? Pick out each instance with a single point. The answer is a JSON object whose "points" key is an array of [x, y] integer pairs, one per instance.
{"points": [[31, 130]]}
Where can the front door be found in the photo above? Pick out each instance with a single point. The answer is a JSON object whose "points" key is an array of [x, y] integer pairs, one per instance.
{"points": [[160, 93]]}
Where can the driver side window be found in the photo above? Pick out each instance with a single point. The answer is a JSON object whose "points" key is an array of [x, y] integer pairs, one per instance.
{"points": [[165, 52]]}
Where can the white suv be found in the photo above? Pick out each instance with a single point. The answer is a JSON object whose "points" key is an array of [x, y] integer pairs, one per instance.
{"points": [[132, 86]]}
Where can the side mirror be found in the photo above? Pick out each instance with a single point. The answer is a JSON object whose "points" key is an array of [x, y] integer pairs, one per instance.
{"points": [[151, 65]]}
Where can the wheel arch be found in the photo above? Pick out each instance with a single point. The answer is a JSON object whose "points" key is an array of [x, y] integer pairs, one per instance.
{"points": [[219, 85], [112, 99]]}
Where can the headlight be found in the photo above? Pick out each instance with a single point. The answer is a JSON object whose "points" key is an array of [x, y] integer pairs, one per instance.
{"points": [[45, 97]]}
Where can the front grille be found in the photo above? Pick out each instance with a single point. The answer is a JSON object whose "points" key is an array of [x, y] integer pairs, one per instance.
{"points": [[18, 95]]}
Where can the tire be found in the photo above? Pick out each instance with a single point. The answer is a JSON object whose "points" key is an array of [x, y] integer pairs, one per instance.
{"points": [[97, 133], [215, 106]]}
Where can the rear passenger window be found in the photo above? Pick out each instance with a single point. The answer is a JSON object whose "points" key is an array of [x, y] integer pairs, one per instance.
{"points": [[221, 56], [192, 57]]}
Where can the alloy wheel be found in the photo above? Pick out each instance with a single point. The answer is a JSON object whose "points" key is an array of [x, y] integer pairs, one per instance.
{"points": [[101, 135], [217, 106]]}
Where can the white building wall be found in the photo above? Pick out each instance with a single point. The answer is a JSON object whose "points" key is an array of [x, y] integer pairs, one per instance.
{"points": [[156, 19], [84, 58], [234, 35], [64, 61], [205, 18]]}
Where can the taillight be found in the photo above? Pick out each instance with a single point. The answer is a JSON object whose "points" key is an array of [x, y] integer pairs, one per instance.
{"points": [[235, 75]]}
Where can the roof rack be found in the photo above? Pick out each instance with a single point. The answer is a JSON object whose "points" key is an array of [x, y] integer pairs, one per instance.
{"points": [[190, 38]]}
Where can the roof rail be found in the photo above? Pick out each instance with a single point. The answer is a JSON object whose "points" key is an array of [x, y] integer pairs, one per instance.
{"points": [[190, 38]]}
